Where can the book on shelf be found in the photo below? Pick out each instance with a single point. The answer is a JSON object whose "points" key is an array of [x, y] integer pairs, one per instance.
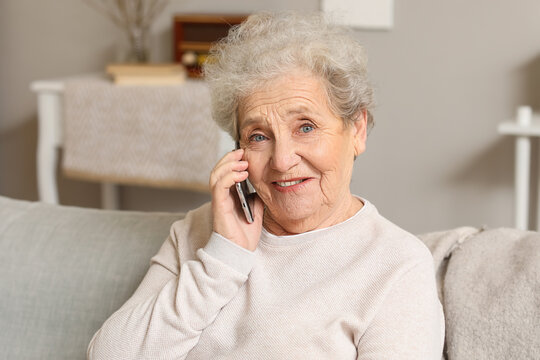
{"points": [[147, 74]]}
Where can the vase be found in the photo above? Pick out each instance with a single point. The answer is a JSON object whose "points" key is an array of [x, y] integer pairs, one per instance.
{"points": [[138, 45]]}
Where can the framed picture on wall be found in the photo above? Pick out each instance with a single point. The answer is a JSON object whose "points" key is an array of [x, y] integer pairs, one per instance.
{"points": [[364, 14]]}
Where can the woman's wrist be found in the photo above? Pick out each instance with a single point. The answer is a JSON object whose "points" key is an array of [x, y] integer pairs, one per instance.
{"points": [[230, 253]]}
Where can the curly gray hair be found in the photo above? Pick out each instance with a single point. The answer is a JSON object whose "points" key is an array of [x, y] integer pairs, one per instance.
{"points": [[268, 45]]}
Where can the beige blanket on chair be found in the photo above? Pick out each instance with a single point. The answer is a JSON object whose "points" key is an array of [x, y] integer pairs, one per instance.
{"points": [[489, 285], [147, 135]]}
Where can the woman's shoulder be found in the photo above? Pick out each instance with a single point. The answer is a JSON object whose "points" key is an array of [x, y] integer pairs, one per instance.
{"points": [[396, 241]]}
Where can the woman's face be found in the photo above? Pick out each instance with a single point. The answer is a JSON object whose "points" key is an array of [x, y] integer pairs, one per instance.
{"points": [[300, 154]]}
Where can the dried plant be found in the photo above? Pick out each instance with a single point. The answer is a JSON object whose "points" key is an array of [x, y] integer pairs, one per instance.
{"points": [[133, 16]]}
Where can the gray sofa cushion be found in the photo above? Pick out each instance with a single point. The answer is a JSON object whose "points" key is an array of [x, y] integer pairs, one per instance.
{"points": [[492, 296], [489, 285], [65, 270]]}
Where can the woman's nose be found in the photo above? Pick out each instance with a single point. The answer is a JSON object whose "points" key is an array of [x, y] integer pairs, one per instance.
{"points": [[284, 155]]}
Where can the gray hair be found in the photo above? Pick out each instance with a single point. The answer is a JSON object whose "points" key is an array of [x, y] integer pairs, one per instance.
{"points": [[268, 45]]}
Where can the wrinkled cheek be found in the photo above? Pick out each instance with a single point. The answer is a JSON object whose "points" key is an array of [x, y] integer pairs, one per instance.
{"points": [[256, 172], [334, 181], [327, 188]]}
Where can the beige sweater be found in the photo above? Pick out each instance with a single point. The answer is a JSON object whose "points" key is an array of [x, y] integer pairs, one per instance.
{"points": [[362, 289]]}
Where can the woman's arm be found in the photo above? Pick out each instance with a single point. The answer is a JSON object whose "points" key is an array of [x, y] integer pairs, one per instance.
{"points": [[176, 302], [166, 315], [410, 321]]}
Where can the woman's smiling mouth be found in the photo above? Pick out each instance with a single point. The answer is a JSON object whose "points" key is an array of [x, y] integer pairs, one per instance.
{"points": [[292, 184]]}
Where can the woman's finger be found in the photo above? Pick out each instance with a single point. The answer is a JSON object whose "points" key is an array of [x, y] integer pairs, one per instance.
{"points": [[225, 168], [220, 191], [230, 179], [231, 156]]}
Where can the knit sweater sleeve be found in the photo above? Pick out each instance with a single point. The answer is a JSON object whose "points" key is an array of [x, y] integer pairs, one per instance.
{"points": [[174, 303], [410, 322]]}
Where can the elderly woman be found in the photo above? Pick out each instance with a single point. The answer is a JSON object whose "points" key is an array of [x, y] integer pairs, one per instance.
{"points": [[319, 273]]}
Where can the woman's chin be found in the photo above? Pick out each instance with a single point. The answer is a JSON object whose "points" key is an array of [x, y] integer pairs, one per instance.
{"points": [[293, 214]]}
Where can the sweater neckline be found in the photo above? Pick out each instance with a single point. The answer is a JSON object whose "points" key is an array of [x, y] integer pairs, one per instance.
{"points": [[287, 240]]}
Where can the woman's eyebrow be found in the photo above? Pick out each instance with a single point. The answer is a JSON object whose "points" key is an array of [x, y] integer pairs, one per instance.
{"points": [[250, 121]]}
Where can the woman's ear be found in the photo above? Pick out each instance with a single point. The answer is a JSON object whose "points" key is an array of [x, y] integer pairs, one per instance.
{"points": [[360, 132]]}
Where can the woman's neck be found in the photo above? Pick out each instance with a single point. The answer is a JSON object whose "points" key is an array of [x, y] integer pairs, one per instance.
{"points": [[329, 217]]}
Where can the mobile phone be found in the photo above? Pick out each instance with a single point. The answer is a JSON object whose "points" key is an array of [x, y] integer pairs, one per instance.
{"points": [[244, 190]]}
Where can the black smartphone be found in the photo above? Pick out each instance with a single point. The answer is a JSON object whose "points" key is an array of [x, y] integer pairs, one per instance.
{"points": [[244, 190]]}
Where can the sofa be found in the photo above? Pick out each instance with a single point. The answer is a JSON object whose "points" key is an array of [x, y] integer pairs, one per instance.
{"points": [[64, 270]]}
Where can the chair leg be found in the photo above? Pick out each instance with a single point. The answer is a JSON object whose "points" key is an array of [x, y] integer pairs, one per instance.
{"points": [[522, 173], [109, 196]]}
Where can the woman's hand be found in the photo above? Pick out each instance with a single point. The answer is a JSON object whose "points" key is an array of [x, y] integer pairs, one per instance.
{"points": [[229, 219]]}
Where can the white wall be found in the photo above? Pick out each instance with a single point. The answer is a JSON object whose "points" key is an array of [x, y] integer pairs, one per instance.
{"points": [[445, 76]]}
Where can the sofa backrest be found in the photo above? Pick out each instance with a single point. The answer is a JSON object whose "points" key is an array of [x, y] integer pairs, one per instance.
{"points": [[65, 270]]}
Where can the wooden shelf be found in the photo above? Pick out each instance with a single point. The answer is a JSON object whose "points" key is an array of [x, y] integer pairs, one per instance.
{"points": [[210, 18], [194, 46], [196, 33]]}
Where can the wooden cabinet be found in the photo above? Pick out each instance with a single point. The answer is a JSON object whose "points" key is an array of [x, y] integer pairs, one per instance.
{"points": [[195, 33]]}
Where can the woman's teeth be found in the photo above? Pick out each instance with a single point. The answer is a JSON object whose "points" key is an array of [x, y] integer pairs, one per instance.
{"points": [[288, 183]]}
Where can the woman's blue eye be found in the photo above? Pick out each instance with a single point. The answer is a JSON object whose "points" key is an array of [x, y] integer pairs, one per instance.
{"points": [[306, 128], [258, 137]]}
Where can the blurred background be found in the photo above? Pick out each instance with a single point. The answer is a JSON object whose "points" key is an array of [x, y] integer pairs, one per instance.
{"points": [[445, 75]]}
